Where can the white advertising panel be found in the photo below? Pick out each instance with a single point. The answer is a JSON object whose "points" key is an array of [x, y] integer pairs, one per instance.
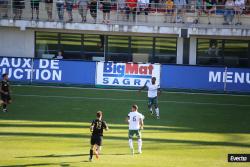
{"points": [[126, 74]]}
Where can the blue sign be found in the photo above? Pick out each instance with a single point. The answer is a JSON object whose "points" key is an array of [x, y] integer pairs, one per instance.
{"points": [[237, 79], [48, 70], [19, 69], [120, 74], [205, 78]]}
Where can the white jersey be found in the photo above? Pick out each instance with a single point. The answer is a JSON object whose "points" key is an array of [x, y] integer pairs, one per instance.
{"points": [[152, 89], [134, 120]]}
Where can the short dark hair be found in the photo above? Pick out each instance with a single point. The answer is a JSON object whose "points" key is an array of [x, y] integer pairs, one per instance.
{"points": [[135, 107], [154, 78], [4, 75], [99, 114]]}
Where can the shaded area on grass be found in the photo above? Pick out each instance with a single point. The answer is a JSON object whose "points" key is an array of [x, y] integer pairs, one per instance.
{"points": [[65, 155], [192, 142], [64, 164], [147, 127]]}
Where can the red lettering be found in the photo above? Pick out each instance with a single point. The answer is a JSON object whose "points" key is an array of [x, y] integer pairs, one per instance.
{"points": [[135, 69], [150, 69], [143, 70], [131, 68]]}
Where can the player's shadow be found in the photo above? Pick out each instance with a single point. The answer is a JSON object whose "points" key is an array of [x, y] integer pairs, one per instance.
{"points": [[66, 155], [43, 125], [63, 164], [55, 156]]}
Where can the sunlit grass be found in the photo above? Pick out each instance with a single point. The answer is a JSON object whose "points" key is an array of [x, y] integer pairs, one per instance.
{"points": [[40, 131]]}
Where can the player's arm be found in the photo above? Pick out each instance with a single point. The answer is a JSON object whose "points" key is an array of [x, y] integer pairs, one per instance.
{"points": [[141, 123], [159, 91], [127, 119], [106, 126], [92, 127], [1, 91], [142, 88]]}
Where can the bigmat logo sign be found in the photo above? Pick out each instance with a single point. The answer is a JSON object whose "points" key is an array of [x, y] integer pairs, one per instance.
{"points": [[126, 74]]}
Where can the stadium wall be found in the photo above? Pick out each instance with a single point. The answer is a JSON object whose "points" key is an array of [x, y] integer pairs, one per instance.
{"points": [[14, 42], [129, 75]]}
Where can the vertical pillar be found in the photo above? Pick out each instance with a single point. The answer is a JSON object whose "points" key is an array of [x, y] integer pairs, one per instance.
{"points": [[179, 59], [192, 51]]}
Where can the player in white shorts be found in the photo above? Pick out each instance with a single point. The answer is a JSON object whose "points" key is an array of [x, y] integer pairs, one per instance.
{"points": [[135, 121], [153, 89]]}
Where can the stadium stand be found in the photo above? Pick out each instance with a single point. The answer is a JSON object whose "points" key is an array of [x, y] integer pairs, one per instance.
{"points": [[190, 11]]}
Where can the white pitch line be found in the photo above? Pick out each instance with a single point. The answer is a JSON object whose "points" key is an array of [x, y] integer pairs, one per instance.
{"points": [[133, 90], [132, 100]]}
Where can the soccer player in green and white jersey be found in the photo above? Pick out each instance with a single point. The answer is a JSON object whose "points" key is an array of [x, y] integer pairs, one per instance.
{"points": [[153, 90], [135, 121]]}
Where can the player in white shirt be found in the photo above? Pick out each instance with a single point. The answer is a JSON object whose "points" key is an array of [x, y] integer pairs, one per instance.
{"points": [[153, 90], [135, 121]]}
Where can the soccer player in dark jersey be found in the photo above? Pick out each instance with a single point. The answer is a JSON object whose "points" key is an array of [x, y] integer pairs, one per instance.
{"points": [[96, 128], [5, 92]]}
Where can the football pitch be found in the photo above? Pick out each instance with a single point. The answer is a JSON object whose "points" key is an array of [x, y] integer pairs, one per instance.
{"points": [[49, 126]]}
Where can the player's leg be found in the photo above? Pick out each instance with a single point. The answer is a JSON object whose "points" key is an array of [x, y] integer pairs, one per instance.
{"points": [[150, 105], [98, 146], [1, 102], [91, 153], [96, 151], [4, 102], [5, 107], [157, 111], [139, 137], [92, 142], [130, 141]]}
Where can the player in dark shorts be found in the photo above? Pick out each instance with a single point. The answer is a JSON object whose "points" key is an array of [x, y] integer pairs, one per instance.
{"points": [[34, 4], [93, 9], [106, 10], [5, 92], [96, 128]]}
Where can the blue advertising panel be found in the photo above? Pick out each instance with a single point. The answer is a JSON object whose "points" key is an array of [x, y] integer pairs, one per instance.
{"points": [[63, 71], [19, 69], [48, 70], [238, 80], [191, 77]]}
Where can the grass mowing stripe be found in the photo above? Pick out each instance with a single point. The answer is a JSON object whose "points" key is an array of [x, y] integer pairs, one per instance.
{"points": [[133, 100]]}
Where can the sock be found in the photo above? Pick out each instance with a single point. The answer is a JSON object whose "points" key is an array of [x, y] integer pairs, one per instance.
{"points": [[151, 110], [157, 112], [130, 141], [139, 145], [90, 154], [4, 106]]}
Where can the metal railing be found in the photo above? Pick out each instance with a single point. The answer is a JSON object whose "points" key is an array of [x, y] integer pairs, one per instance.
{"points": [[109, 12]]}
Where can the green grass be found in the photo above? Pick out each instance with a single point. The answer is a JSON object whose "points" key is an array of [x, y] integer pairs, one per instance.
{"points": [[51, 128]]}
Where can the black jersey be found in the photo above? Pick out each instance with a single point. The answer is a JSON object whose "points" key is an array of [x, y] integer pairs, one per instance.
{"points": [[5, 86], [98, 126]]}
